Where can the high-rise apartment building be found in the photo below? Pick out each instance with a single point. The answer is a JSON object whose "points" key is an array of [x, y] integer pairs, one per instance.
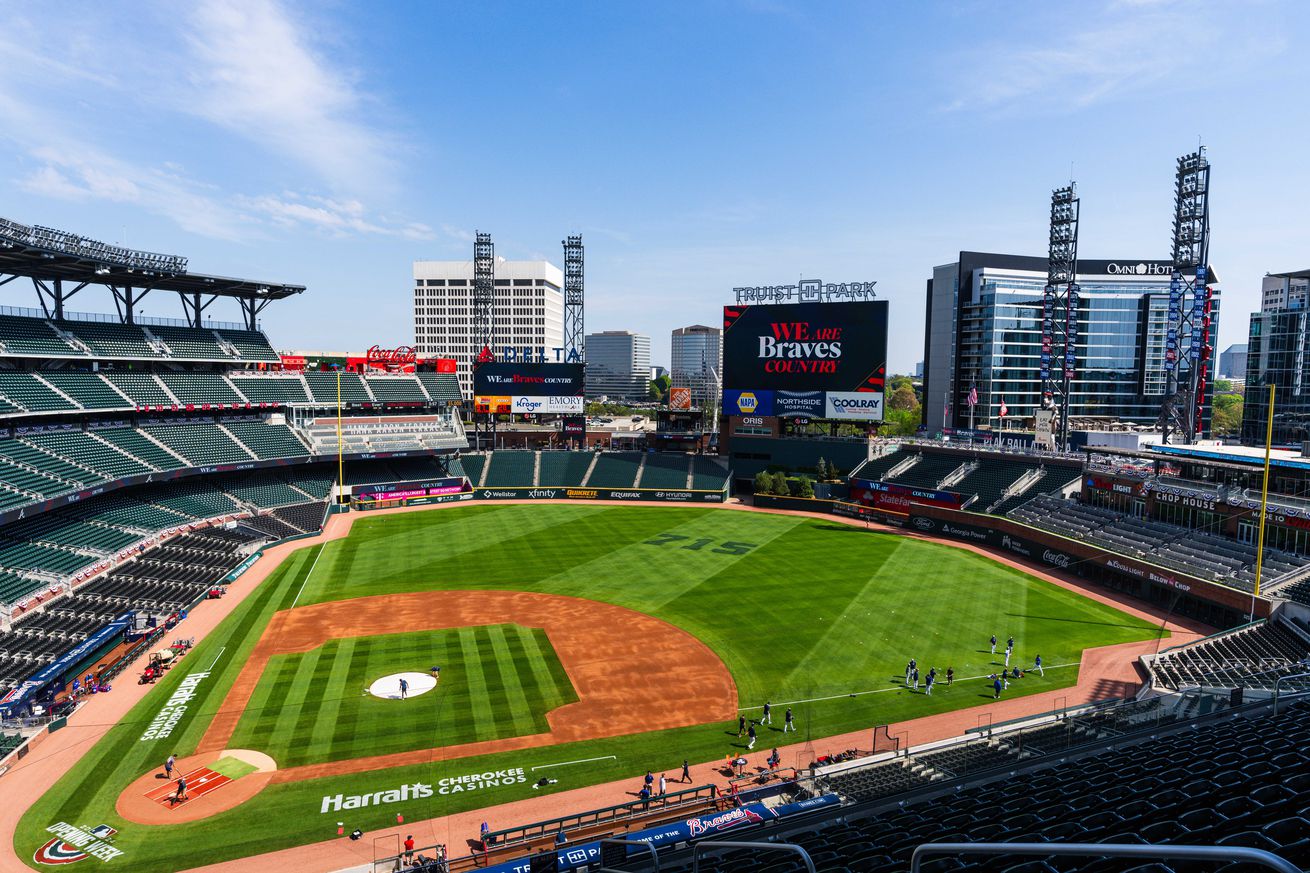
{"points": [[698, 362], [1276, 354], [527, 313], [618, 365]]}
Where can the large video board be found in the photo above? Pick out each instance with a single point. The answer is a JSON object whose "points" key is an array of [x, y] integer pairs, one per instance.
{"points": [[520, 387], [807, 360]]}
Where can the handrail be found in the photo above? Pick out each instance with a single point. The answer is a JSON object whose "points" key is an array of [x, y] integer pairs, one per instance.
{"points": [[615, 841], [738, 844], [1111, 850], [1278, 683]]}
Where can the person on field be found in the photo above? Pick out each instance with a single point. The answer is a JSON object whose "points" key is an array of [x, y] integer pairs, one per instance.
{"points": [[168, 766], [404, 688], [686, 771], [950, 676], [751, 734], [409, 848], [914, 676], [788, 724], [768, 714], [664, 785], [741, 725], [181, 789], [993, 644], [649, 780], [996, 687], [1037, 665], [929, 680]]}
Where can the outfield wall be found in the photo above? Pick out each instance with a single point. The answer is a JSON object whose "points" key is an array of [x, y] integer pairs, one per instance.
{"points": [[624, 495]]}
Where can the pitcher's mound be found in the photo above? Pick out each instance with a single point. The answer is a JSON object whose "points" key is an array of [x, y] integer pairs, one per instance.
{"points": [[388, 687]]}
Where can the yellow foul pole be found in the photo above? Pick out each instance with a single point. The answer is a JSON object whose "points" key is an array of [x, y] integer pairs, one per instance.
{"points": [[1264, 502]]}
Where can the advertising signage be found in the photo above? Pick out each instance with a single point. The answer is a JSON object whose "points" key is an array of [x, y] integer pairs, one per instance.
{"points": [[817, 360], [518, 379], [806, 346]]}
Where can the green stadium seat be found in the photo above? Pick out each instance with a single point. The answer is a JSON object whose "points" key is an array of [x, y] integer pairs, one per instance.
{"points": [[252, 345], [267, 440], [397, 389], [143, 389], [85, 449], [441, 387], [616, 470], [25, 390], [271, 389], [564, 469], [107, 339], [201, 444], [136, 444], [511, 469], [201, 389], [32, 337], [190, 342], [666, 471], [323, 388], [88, 389]]}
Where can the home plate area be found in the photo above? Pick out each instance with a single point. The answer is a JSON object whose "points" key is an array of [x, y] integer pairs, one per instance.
{"points": [[199, 782]]}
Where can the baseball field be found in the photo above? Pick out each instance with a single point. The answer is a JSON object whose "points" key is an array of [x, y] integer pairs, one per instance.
{"points": [[625, 638]]}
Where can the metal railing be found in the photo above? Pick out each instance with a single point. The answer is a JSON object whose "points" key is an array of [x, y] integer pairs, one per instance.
{"points": [[1107, 850], [737, 844], [615, 841]]}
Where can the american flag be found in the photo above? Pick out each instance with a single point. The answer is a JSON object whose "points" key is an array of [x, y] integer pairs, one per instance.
{"points": [[973, 396]]}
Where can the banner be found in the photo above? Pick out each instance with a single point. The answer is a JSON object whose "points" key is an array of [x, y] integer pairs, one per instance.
{"points": [[805, 346], [858, 405], [563, 405], [747, 402], [494, 404], [679, 398], [523, 379], [897, 498], [798, 404], [630, 495], [379, 488]]}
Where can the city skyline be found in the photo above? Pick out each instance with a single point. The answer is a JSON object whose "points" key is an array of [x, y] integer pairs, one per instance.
{"points": [[691, 155]]}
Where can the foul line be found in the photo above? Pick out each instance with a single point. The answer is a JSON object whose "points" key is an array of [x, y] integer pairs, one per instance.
{"points": [[579, 761], [307, 576], [882, 690], [216, 657]]}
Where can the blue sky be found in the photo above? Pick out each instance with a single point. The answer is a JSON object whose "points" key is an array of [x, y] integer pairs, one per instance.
{"points": [[695, 146]]}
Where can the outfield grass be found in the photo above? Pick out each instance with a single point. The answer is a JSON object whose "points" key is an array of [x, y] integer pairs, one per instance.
{"points": [[496, 681], [799, 609]]}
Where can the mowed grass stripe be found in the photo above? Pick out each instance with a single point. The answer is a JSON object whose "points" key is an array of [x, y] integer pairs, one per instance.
{"points": [[334, 691], [521, 707], [523, 642], [483, 719], [302, 684], [498, 694]]}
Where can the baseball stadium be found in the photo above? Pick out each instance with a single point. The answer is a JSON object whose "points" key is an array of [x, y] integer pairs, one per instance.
{"points": [[262, 611]]}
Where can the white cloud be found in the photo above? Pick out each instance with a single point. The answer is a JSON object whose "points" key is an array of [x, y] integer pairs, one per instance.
{"points": [[336, 217], [254, 72], [1129, 46]]}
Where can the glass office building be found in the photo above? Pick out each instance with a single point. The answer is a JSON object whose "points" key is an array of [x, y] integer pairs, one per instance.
{"points": [[984, 332], [1278, 354]]}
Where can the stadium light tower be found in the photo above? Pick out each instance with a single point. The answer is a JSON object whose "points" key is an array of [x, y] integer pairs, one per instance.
{"points": [[1060, 309], [1187, 334], [484, 291], [574, 348]]}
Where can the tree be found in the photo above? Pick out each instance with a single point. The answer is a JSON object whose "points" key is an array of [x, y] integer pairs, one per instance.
{"points": [[805, 488], [1226, 415], [781, 486], [1223, 386], [904, 398], [763, 482], [822, 469], [895, 383]]}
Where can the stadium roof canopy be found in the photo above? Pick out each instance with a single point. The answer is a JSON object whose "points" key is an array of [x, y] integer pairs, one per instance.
{"points": [[54, 258]]}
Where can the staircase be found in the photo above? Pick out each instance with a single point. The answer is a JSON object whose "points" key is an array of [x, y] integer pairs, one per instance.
{"points": [[536, 469], [641, 469], [586, 477]]}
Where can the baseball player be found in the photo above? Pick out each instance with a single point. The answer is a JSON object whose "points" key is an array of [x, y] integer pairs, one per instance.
{"points": [[404, 688], [741, 725], [996, 687], [1009, 650], [751, 733], [664, 785], [950, 676], [914, 676], [768, 714], [928, 682], [993, 644], [1037, 665], [686, 771], [787, 723]]}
